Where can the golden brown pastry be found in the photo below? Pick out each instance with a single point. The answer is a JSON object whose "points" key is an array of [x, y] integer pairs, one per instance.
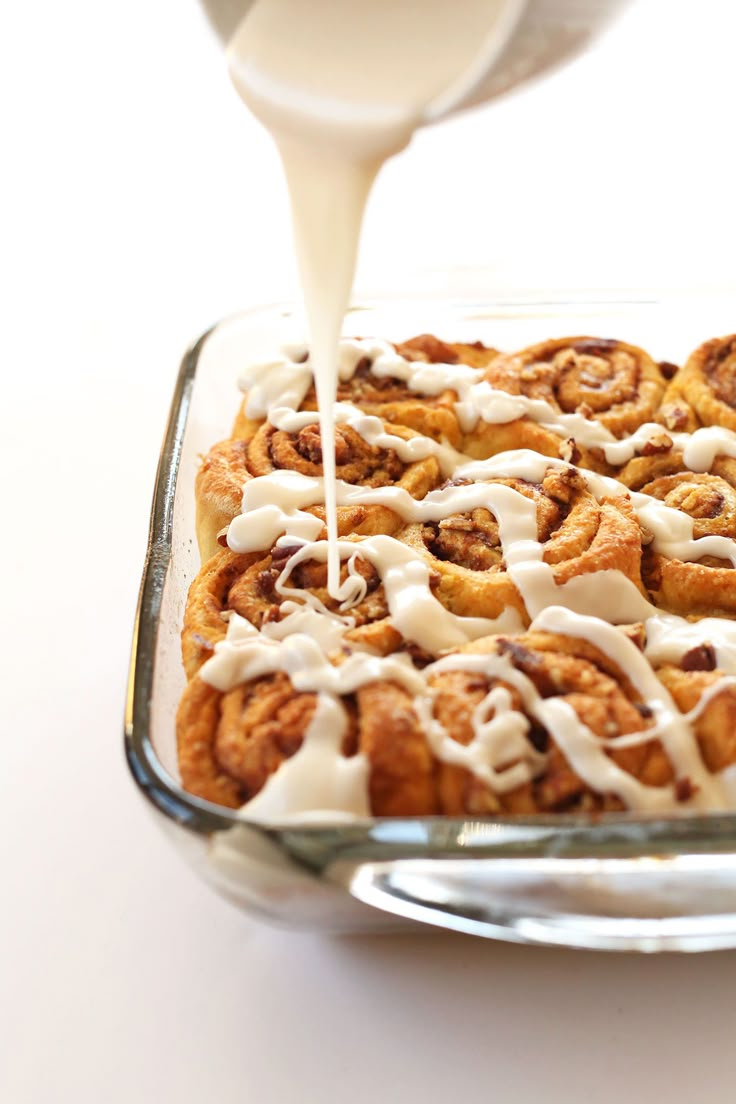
{"points": [[703, 393], [715, 727], [218, 492]]}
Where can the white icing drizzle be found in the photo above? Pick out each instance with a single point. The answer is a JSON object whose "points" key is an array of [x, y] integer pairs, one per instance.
{"points": [[610, 591], [673, 533], [267, 379], [670, 637], [499, 407], [499, 753], [321, 625], [243, 657], [273, 386], [419, 376], [635, 739], [671, 529], [699, 449]]}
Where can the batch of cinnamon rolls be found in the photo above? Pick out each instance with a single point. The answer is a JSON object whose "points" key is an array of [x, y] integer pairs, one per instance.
{"points": [[531, 607]]}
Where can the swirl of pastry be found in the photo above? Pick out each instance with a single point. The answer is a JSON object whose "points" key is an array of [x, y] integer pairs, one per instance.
{"points": [[608, 383], [248, 585], [693, 587], [357, 461], [392, 397], [229, 464], [579, 536], [703, 392]]}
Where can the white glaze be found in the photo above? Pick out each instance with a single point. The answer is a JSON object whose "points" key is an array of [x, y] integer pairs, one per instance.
{"points": [[610, 591], [499, 755], [274, 385], [328, 629], [671, 529], [669, 638], [335, 123], [243, 657]]}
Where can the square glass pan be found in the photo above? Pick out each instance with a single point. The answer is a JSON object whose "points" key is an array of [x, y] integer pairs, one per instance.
{"points": [[613, 882]]}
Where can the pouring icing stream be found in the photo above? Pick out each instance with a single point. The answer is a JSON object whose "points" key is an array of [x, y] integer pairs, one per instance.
{"points": [[342, 87]]}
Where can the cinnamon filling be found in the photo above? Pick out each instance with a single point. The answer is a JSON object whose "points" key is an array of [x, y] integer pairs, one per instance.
{"points": [[357, 461], [708, 499], [472, 540], [255, 597], [600, 381], [698, 499], [468, 540]]}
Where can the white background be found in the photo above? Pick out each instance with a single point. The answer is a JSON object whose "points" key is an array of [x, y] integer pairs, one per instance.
{"points": [[139, 202]]}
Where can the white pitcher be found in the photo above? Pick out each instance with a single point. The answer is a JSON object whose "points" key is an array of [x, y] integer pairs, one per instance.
{"points": [[521, 38]]}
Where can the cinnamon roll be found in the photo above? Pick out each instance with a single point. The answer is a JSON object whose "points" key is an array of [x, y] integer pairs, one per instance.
{"points": [[230, 744], [578, 534], [555, 670], [701, 580], [265, 589], [607, 384], [374, 379], [229, 464], [703, 393]]}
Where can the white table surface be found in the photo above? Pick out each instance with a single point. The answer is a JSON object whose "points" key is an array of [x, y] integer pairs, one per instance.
{"points": [[139, 203]]}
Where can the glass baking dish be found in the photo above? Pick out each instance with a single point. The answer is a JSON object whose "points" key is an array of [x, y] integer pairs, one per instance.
{"points": [[618, 882]]}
